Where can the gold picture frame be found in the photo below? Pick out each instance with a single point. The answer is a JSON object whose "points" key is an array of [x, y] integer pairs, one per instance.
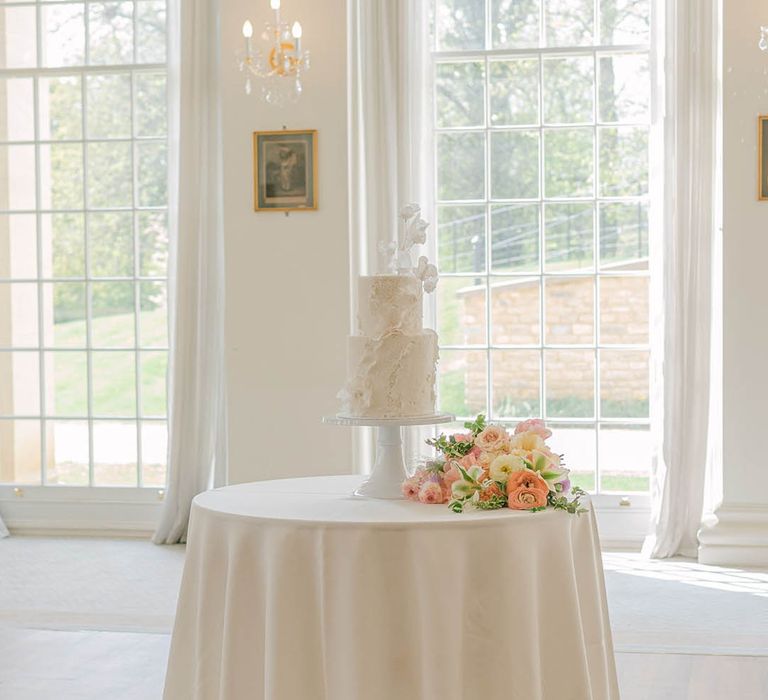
{"points": [[285, 170], [762, 157]]}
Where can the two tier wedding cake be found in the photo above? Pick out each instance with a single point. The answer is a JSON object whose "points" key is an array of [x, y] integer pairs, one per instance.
{"points": [[392, 359]]}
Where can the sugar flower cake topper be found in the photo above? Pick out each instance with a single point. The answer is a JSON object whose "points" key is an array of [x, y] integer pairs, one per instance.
{"points": [[412, 232]]}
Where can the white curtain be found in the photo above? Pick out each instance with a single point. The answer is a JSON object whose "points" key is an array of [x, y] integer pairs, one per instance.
{"points": [[684, 425], [197, 402], [390, 79]]}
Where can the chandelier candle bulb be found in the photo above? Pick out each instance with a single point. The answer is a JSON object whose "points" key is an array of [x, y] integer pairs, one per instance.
{"points": [[247, 33], [296, 31]]}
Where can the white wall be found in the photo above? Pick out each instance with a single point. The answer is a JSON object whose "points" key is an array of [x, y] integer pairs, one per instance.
{"points": [[741, 534], [287, 277]]}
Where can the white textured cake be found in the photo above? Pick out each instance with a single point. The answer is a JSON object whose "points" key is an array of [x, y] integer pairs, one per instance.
{"points": [[392, 359]]}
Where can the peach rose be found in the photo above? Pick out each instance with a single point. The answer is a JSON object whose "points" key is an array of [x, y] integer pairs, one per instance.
{"points": [[431, 492], [534, 425], [493, 439], [528, 441], [527, 479], [490, 491], [525, 499]]}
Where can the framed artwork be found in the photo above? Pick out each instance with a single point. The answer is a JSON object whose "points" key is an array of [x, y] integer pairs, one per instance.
{"points": [[284, 170], [762, 157]]}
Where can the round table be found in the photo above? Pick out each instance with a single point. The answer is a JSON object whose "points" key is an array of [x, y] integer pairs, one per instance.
{"points": [[296, 590]]}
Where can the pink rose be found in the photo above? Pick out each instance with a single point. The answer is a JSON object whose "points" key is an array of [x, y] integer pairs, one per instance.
{"points": [[431, 492], [411, 488], [493, 439], [464, 437], [534, 425], [451, 472]]}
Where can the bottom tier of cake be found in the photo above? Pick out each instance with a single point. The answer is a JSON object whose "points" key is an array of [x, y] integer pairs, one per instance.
{"points": [[392, 376]]}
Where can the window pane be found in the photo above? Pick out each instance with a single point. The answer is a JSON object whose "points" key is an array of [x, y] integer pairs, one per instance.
{"points": [[68, 439], [60, 108], [150, 31], [114, 453], [577, 444], [569, 308], [461, 311], [153, 242], [18, 38], [17, 177], [114, 383], [64, 243], [624, 383], [20, 451], [154, 451], [18, 238], [569, 163], [61, 176], [514, 87], [109, 106], [153, 320], [110, 241], [463, 382], [625, 457], [569, 22], [568, 90], [110, 32], [151, 113], [460, 24], [468, 181], [515, 310], [154, 366], [515, 23], [623, 161], [63, 30], [110, 182], [568, 236], [64, 314], [18, 329], [624, 93], [22, 396], [16, 109], [461, 238], [515, 237], [624, 235], [570, 383], [153, 173], [112, 322], [624, 310], [516, 377], [460, 93], [67, 373], [514, 164], [625, 21]]}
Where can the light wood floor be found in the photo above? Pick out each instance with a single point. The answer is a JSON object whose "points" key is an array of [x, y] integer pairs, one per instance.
{"points": [[63, 665]]}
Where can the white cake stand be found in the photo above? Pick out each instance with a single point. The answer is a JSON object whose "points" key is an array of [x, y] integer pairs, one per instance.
{"points": [[389, 471]]}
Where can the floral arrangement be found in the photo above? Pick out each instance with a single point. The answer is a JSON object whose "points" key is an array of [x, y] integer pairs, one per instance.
{"points": [[489, 468]]}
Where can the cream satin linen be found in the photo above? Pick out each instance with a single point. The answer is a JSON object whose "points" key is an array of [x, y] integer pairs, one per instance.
{"points": [[295, 590]]}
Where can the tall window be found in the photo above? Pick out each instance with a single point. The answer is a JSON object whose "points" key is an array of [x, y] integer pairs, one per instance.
{"points": [[83, 243], [542, 123]]}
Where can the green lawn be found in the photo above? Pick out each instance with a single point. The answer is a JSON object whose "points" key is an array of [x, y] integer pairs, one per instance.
{"points": [[114, 380]]}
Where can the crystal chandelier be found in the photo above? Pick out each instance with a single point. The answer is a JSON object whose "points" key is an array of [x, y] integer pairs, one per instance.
{"points": [[279, 69]]}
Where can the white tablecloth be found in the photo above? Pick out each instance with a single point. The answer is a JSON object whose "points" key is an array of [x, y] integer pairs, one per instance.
{"points": [[295, 590]]}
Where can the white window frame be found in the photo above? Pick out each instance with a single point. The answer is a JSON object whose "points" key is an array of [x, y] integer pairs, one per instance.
{"points": [[118, 509], [623, 516]]}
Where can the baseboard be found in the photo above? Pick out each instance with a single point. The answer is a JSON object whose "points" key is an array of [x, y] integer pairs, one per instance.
{"points": [[736, 535], [77, 512]]}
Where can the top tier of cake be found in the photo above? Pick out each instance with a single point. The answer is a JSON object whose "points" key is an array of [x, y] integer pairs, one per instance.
{"points": [[389, 303]]}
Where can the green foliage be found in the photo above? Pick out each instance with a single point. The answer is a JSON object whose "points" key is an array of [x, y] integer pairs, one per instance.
{"points": [[493, 503], [476, 426], [449, 446], [572, 506]]}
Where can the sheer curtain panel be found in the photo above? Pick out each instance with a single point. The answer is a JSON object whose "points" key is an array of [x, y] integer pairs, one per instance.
{"points": [[197, 401], [683, 363], [390, 152]]}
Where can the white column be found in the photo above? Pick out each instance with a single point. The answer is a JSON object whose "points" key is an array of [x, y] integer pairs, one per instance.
{"points": [[738, 533]]}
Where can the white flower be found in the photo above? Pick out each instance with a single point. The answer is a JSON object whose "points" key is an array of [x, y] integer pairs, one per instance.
{"points": [[427, 273], [504, 465], [410, 210]]}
